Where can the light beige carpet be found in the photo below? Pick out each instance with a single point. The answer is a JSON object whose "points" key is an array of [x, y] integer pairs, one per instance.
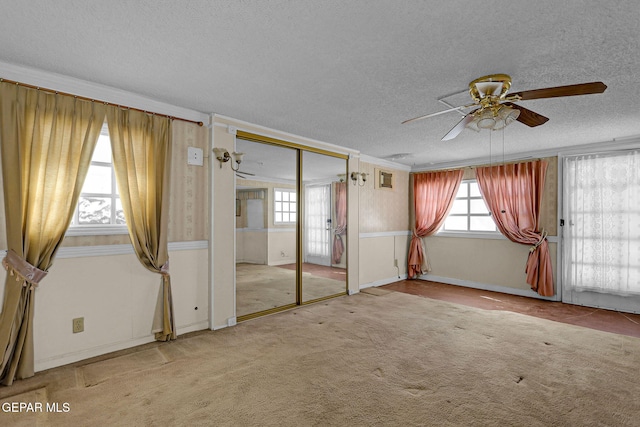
{"points": [[364, 360], [262, 287]]}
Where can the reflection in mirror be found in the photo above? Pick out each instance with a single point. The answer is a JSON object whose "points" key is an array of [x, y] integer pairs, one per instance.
{"points": [[324, 226], [266, 218]]}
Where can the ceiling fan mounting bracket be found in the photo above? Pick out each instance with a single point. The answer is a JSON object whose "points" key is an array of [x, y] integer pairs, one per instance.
{"points": [[493, 85]]}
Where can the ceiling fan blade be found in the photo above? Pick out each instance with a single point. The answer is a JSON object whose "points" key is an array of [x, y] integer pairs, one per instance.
{"points": [[553, 92], [438, 113], [459, 127], [528, 117]]}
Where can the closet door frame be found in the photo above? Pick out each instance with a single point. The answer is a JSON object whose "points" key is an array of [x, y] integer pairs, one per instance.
{"points": [[300, 149]]}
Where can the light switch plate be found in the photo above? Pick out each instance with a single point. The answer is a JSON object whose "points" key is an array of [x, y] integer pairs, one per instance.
{"points": [[194, 156]]}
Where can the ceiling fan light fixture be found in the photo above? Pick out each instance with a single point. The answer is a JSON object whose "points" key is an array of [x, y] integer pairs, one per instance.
{"points": [[486, 123], [512, 116], [505, 116], [486, 119], [500, 124], [473, 125], [508, 114]]}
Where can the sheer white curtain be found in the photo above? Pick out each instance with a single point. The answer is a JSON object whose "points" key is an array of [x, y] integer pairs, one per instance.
{"points": [[601, 201]]}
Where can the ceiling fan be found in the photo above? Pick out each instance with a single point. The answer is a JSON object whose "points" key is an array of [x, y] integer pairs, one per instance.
{"points": [[495, 108]]}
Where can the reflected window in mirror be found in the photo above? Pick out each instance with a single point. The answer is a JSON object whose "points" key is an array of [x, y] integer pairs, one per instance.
{"points": [[284, 206]]}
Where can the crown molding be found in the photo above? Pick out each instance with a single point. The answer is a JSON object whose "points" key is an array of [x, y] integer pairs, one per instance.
{"points": [[624, 143], [86, 89], [277, 134], [384, 163]]}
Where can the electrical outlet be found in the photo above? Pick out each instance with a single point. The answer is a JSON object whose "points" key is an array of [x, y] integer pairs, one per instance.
{"points": [[78, 325]]}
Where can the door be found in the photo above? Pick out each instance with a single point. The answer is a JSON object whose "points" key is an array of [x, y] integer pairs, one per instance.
{"points": [[324, 272], [601, 233], [317, 224], [291, 213], [266, 223]]}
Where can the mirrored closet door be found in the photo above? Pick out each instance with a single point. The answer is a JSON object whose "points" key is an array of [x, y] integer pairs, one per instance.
{"points": [[266, 224], [291, 219], [324, 267]]}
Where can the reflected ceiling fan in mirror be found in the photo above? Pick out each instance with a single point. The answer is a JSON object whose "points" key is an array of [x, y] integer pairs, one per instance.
{"points": [[495, 108], [242, 174]]}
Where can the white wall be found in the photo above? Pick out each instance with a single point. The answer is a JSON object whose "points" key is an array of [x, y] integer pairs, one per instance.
{"points": [[251, 246], [383, 258], [116, 296], [282, 246], [491, 264]]}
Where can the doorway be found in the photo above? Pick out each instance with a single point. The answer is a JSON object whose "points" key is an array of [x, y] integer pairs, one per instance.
{"points": [[317, 248], [601, 233]]}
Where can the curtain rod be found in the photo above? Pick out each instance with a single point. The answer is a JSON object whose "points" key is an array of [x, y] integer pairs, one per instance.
{"points": [[57, 92], [508, 162]]}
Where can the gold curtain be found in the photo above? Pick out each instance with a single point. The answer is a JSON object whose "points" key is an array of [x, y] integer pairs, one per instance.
{"points": [[141, 146], [46, 141]]}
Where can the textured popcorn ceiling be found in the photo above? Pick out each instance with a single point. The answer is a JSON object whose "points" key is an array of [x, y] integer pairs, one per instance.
{"points": [[348, 72]]}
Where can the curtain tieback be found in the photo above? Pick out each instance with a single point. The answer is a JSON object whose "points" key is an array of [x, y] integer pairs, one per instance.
{"points": [[19, 267], [164, 270], [543, 237]]}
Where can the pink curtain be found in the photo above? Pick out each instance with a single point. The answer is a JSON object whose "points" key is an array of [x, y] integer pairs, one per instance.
{"points": [[433, 196], [341, 221], [513, 194]]}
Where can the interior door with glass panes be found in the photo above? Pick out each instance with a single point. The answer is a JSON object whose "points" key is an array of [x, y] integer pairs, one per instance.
{"points": [[601, 230], [318, 227]]}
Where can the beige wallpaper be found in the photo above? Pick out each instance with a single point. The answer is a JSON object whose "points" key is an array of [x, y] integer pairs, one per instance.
{"points": [[549, 208], [188, 212], [384, 209]]}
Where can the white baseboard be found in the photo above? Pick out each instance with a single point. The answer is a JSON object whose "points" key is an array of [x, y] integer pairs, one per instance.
{"points": [[252, 261], [65, 359], [383, 281], [487, 287], [193, 327], [216, 328], [284, 262]]}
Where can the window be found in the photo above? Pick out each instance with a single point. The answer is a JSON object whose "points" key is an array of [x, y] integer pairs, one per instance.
{"points": [[99, 205], [469, 212], [284, 206]]}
